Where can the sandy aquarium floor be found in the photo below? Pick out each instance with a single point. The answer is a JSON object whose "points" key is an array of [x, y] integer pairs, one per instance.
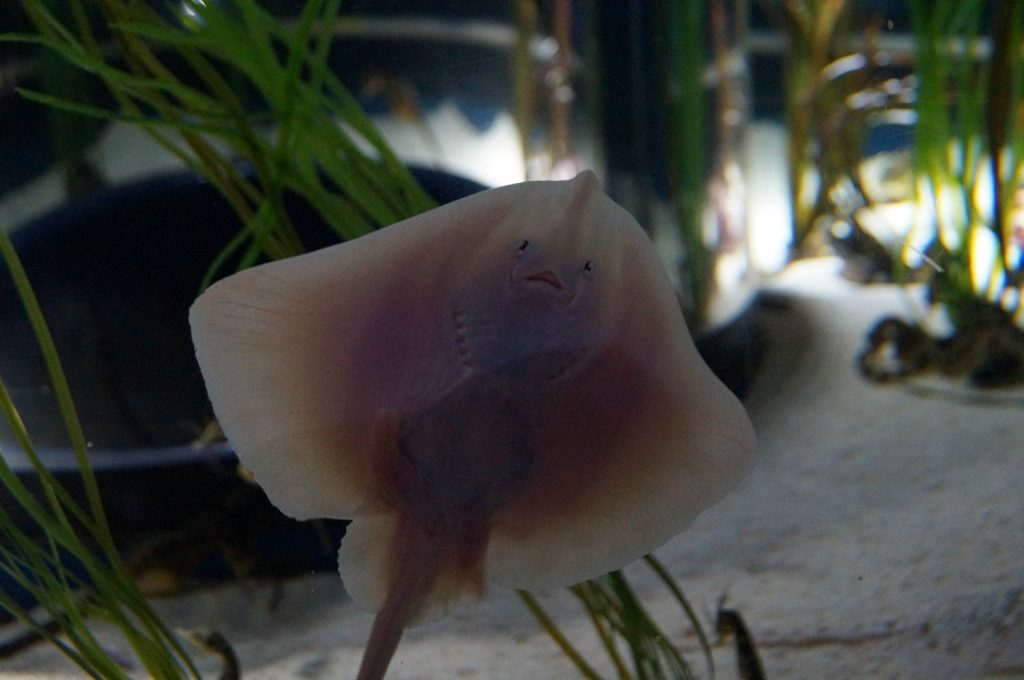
{"points": [[881, 535]]}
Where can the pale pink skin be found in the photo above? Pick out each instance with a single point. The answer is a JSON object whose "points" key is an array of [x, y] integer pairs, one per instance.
{"points": [[500, 389]]}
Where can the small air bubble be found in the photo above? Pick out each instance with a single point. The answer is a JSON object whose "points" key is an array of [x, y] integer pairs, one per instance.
{"points": [[841, 230]]}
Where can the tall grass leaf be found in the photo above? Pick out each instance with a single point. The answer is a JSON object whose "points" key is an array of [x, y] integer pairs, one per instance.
{"points": [[320, 52], [556, 635], [691, 614], [107, 574], [299, 42], [220, 131], [229, 33], [44, 19]]}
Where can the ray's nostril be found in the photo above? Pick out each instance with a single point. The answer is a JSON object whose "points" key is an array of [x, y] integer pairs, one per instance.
{"points": [[548, 277]]}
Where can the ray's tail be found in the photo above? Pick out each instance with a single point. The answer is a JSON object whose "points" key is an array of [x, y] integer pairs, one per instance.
{"points": [[414, 563]]}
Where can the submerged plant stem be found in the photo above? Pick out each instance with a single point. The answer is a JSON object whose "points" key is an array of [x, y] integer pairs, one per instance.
{"points": [[607, 638], [551, 628], [61, 389], [41, 570], [691, 613]]}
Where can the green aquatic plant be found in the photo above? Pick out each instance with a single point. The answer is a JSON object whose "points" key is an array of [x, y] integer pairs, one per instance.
{"points": [[620, 619], [817, 34], [968, 156], [227, 86], [76, 572], [839, 83], [688, 101], [961, 80], [967, 172]]}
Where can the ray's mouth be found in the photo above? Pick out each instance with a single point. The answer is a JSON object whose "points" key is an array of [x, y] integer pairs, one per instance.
{"points": [[544, 284], [548, 277]]}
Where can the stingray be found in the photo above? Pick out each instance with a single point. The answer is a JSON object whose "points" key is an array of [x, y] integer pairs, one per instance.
{"points": [[502, 389]]}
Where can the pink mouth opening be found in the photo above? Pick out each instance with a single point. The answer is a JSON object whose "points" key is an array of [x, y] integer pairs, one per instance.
{"points": [[547, 277]]}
